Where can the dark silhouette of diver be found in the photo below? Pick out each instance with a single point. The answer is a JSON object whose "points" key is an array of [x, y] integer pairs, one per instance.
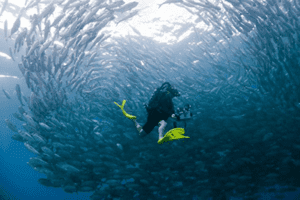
{"points": [[159, 109]]}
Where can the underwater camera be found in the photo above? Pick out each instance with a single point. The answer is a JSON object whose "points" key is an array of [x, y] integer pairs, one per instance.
{"points": [[184, 113]]}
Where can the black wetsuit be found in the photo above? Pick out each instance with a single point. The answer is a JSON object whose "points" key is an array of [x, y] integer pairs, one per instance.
{"points": [[160, 107]]}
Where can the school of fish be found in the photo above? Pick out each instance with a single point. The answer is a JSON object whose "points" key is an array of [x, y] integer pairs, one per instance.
{"points": [[241, 76]]}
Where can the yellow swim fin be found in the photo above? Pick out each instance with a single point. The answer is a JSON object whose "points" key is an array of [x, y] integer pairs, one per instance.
{"points": [[124, 112], [173, 134]]}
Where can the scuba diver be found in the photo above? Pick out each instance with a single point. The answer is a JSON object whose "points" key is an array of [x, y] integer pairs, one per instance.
{"points": [[159, 109]]}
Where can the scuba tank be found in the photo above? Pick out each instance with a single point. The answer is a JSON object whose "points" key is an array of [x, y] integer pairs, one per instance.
{"points": [[161, 99]]}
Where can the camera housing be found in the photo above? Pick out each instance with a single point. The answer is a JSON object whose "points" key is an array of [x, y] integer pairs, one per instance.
{"points": [[184, 113]]}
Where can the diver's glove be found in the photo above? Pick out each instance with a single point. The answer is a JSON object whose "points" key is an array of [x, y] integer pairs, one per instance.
{"points": [[174, 116]]}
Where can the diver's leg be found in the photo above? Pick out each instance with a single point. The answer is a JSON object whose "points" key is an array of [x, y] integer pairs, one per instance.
{"points": [[162, 126], [139, 128]]}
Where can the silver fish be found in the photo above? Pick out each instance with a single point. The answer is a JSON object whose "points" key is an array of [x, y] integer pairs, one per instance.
{"points": [[17, 137], [57, 19], [11, 54], [38, 9], [63, 56], [18, 90], [115, 4], [120, 146], [67, 4], [29, 120], [32, 48], [3, 7], [96, 40], [135, 30], [47, 150], [39, 139], [127, 7], [36, 161], [34, 22], [83, 40], [25, 99], [79, 60], [26, 135], [45, 46], [91, 59], [103, 39], [169, 2], [46, 30], [16, 26], [21, 110], [70, 43], [6, 94], [18, 116], [77, 4], [27, 78], [47, 11], [68, 168], [71, 59], [5, 29], [11, 126], [32, 4], [70, 188], [89, 15], [20, 38], [132, 14], [44, 126]]}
